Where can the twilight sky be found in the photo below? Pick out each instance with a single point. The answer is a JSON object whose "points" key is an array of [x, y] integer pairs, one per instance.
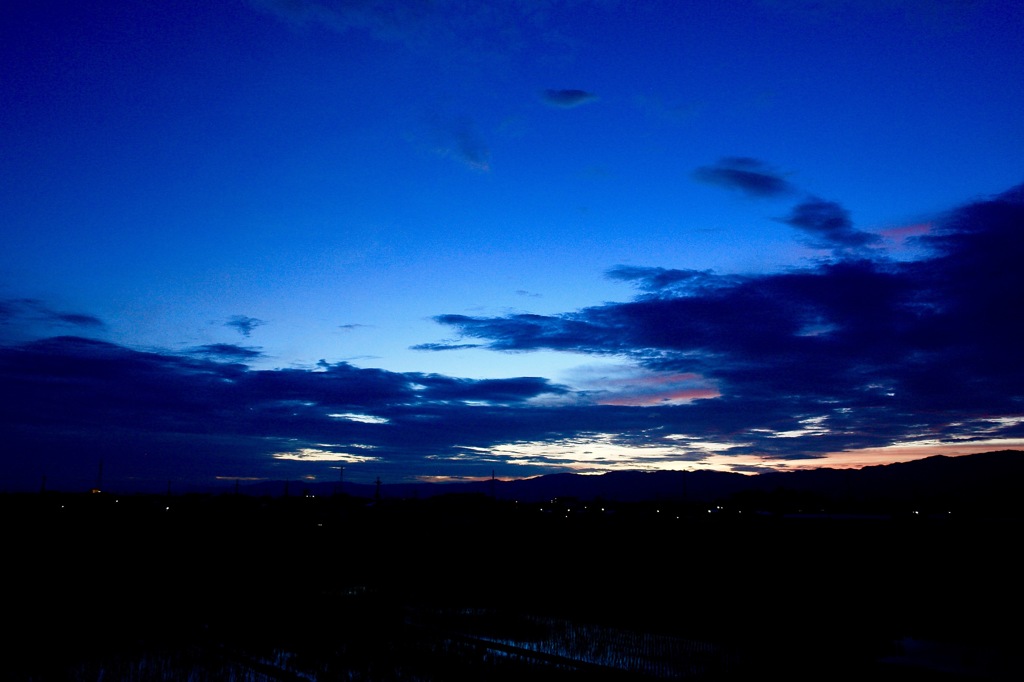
{"points": [[428, 240]]}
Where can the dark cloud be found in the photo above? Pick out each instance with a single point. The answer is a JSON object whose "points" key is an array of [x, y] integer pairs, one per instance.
{"points": [[747, 175], [227, 351], [845, 354], [445, 346], [532, 332], [850, 353], [244, 324], [437, 387], [661, 280], [69, 401], [828, 225], [567, 98]]}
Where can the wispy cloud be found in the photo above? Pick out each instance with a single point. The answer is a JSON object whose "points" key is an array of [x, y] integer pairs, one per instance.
{"points": [[35, 310], [567, 98], [747, 175], [244, 324], [470, 147], [466, 30], [457, 137], [382, 18], [824, 224], [26, 318], [827, 225]]}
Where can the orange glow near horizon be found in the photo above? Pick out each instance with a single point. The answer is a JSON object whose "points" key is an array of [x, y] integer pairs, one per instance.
{"points": [[463, 479], [601, 454], [855, 459]]}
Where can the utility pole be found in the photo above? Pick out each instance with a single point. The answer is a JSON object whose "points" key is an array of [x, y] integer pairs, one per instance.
{"points": [[99, 479]]}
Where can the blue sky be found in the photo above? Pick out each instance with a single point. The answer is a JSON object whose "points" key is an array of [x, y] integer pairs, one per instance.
{"points": [[432, 240]]}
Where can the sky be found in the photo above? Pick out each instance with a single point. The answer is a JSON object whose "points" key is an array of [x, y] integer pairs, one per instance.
{"points": [[438, 240]]}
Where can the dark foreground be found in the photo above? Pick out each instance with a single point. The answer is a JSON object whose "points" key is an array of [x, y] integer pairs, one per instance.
{"points": [[241, 588]]}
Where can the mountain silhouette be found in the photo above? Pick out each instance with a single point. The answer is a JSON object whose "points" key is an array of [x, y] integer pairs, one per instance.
{"points": [[987, 482]]}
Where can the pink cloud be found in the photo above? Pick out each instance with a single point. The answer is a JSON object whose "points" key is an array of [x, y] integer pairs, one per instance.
{"points": [[901, 233], [670, 397], [657, 389]]}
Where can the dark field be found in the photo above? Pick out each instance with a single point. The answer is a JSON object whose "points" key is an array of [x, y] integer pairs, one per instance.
{"points": [[452, 588]]}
